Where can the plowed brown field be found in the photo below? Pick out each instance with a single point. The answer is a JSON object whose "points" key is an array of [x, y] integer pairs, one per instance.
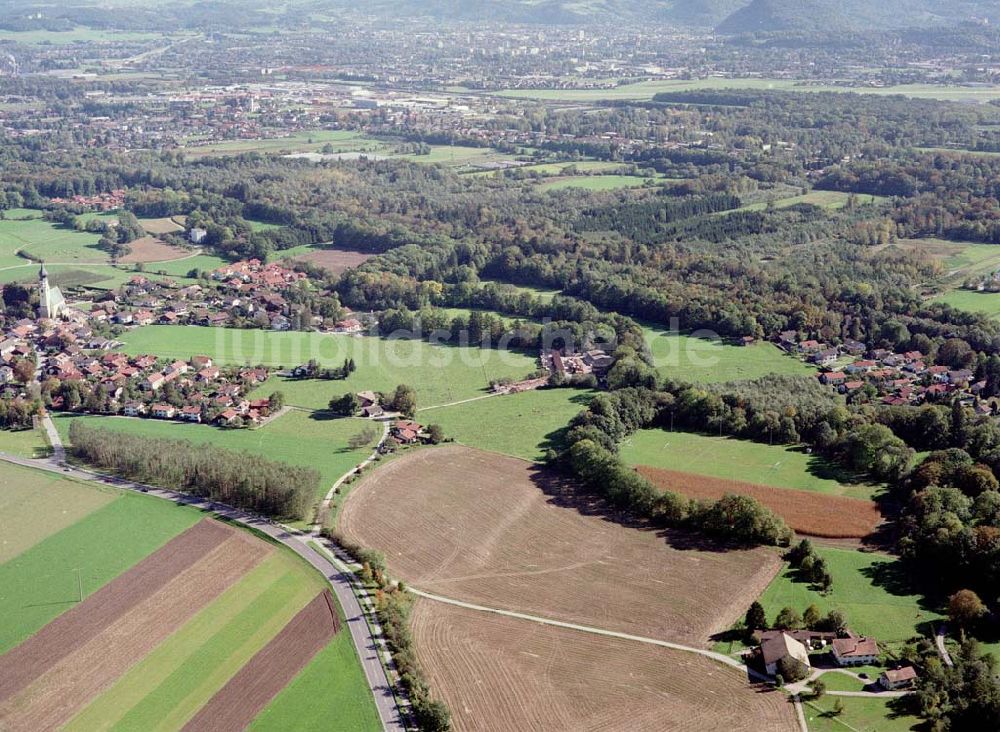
{"points": [[806, 512], [498, 531], [78, 659], [336, 261], [151, 249], [499, 673], [237, 703]]}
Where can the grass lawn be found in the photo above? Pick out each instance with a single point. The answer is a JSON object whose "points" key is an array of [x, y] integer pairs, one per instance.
{"points": [[42, 582], [583, 166], [296, 437], [869, 589], [544, 293], [458, 156], [439, 373], [25, 443], [28, 495], [700, 360], [595, 182], [836, 681], [753, 462], [515, 424], [824, 199], [299, 142], [52, 242], [328, 695], [860, 715], [976, 302]]}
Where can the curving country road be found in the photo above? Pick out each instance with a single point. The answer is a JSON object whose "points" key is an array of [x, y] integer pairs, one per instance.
{"points": [[340, 582]]}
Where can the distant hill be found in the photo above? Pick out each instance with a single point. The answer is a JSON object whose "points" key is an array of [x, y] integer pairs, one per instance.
{"points": [[855, 15]]}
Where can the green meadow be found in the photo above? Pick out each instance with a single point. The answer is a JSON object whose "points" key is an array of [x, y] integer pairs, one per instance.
{"points": [[860, 714], [595, 182], [521, 425], [44, 240], [987, 303], [700, 360], [45, 580], [296, 437], [24, 443], [438, 373], [739, 460], [870, 589]]}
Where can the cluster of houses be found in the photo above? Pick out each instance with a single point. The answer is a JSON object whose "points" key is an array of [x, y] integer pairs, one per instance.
{"points": [[845, 650], [897, 378], [594, 361], [100, 202], [141, 386]]}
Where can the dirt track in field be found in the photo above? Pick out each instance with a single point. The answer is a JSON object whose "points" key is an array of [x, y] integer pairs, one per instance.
{"points": [[336, 261], [75, 627], [54, 697], [498, 673], [237, 703], [500, 532], [806, 512]]}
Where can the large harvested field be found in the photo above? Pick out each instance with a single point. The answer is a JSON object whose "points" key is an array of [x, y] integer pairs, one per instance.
{"points": [[151, 249], [702, 360], [500, 532], [336, 261], [811, 514], [501, 673], [440, 374], [25, 230]]}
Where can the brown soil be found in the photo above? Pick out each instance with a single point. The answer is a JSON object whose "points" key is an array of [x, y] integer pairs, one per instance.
{"points": [[151, 249], [499, 673], [160, 226], [53, 698], [237, 703], [497, 531], [71, 630], [806, 512], [336, 261]]}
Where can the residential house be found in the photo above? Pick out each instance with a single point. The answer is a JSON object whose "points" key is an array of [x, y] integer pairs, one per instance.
{"points": [[898, 678], [406, 431], [781, 645], [163, 411], [191, 414], [855, 651], [134, 409]]}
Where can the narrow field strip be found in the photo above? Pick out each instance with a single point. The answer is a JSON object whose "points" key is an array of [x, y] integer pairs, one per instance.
{"points": [[46, 581], [147, 676], [54, 697], [249, 691], [26, 495], [194, 682], [806, 512]]}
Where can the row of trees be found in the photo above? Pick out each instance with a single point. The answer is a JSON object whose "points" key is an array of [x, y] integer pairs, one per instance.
{"points": [[240, 479]]}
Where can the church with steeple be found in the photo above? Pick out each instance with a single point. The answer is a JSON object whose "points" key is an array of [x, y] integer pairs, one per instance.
{"points": [[50, 299]]}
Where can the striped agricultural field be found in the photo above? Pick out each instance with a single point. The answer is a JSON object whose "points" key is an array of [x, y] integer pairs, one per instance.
{"points": [[135, 613]]}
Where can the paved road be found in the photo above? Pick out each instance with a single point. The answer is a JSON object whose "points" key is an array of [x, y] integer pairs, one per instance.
{"points": [[364, 642], [939, 636]]}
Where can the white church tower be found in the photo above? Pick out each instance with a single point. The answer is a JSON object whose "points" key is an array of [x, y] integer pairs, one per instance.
{"points": [[50, 299]]}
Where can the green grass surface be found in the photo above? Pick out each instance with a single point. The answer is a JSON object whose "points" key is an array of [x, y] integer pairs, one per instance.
{"points": [[976, 302], [742, 460], [77, 35], [327, 695], [298, 142], [52, 242], [296, 437], [544, 293], [836, 681], [700, 360], [35, 504], [24, 443], [42, 582], [515, 424], [868, 588], [859, 715], [824, 199], [439, 374], [595, 182]]}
